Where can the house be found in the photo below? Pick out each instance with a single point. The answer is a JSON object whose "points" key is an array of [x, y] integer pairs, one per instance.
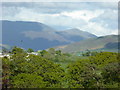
{"points": [[4, 55], [34, 53]]}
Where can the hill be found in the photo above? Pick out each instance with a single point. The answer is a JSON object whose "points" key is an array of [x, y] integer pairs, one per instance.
{"points": [[3, 46], [75, 34], [109, 42], [38, 35]]}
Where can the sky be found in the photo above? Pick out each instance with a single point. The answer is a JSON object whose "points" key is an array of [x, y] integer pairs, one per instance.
{"points": [[99, 18]]}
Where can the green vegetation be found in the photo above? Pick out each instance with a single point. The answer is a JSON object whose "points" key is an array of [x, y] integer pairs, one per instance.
{"points": [[104, 43], [30, 50], [54, 69]]}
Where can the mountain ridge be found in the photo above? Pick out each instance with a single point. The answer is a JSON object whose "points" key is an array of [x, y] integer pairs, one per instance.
{"points": [[102, 42], [37, 35]]}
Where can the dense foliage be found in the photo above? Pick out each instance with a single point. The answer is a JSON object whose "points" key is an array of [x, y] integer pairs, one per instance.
{"points": [[54, 69]]}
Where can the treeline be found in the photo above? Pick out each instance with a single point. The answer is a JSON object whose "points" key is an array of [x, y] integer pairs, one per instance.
{"points": [[47, 70]]}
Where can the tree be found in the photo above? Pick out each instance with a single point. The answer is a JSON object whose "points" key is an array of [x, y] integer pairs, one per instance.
{"points": [[52, 73], [16, 50], [5, 72], [87, 53], [43, 52], [58, 52], [22, 70], [111, 75], [83, 75], [104, 58], [52, 51], [24, 80], [33, 67], [30, 50]]}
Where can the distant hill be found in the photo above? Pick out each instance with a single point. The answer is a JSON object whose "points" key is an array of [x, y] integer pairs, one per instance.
{"points": [[6, 47], [38, 35], [75, 34], [109, 42]]}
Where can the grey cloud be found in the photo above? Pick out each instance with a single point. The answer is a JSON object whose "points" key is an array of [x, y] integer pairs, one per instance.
{"points": [[57, 7], [11, 11], [14, 11], [108, 19]]}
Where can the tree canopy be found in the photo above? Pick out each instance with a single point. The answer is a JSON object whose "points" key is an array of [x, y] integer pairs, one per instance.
{"points": [[54, 69]]}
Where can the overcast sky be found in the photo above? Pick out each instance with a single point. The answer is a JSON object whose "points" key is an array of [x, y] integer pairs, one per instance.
{"points": [[96, 17]]}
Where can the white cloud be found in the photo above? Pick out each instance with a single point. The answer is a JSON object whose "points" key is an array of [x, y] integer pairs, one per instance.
{"points": [[114, 32], [50, 19], [83, 14], [108, 19], [110, 14], [112, 5], [98, 29], [97, 18]]}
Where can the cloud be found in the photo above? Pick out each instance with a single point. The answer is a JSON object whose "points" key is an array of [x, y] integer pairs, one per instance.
{"points": [[57, 7], [107, 5], [47, 7], [95, 17], [83, 14], [50, 19], [99, 29], [108, 19]]}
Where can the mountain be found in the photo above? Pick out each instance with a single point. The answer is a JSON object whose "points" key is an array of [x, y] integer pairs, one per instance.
{"points": [[38, 35], [3, 46], [75, 34], [109, 42]]}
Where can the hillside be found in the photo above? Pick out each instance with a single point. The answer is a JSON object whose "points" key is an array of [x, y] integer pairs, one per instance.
{"points": [[38, 36], [109, 42], [75, 34], [3, 46]]}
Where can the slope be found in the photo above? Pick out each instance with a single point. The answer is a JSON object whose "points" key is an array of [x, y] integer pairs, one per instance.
{"points": [[38, 36], [103, 42]]}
